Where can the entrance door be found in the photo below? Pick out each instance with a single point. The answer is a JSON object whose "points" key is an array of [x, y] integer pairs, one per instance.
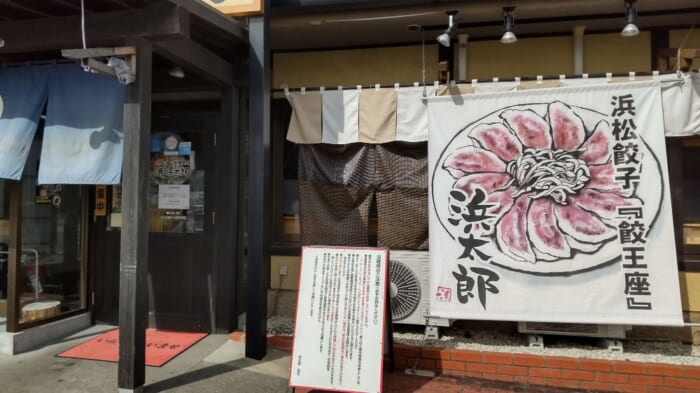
{"points": [[180, 282]]}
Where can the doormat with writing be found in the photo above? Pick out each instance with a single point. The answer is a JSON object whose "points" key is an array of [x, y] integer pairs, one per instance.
{"points": [[161, 346]]}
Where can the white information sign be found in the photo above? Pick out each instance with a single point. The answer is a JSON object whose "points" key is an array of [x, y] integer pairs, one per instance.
{"points": [[173, 196], [339, 331]]}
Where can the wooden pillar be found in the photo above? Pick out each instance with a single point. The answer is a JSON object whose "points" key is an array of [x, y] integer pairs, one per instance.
{"points": [[227, 239], [243, 186], [260, 190], [133, 263]]}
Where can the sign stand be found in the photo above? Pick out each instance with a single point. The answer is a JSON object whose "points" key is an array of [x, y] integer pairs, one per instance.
{"points": [[388, 327]]}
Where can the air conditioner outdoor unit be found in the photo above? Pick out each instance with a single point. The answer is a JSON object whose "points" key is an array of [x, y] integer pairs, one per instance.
{"points": [[409, 280], [573, 329]]}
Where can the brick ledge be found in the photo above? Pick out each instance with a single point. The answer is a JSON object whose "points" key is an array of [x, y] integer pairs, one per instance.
{"points": [[552, 371]]}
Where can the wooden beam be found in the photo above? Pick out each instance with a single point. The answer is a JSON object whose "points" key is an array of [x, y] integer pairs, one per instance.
{"points": [[133, 263], [98, 52], [260, 187], [197, 58], [158, 21], [214, 17], [685, 53], [101, 67]]}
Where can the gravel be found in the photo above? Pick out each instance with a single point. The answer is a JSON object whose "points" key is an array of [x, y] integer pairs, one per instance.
{"points": [[280, 326], [491, 340]]}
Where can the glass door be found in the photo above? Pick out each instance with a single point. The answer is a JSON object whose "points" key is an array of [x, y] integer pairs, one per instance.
{"points": [[179, 264], [176, 193]]}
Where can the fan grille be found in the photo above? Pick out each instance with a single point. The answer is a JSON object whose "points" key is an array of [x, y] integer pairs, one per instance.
{"points": [[406, 298]]}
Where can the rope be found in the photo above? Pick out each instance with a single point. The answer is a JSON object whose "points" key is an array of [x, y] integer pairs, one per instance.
{"points": [[83, 62]]}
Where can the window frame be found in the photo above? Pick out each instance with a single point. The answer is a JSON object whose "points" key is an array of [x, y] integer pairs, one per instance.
{"points": [[282, 243], [14, 267], [688, 255]]}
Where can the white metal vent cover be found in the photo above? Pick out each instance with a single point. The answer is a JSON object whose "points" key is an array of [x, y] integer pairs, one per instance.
{"points": [[409, 283], [405, 290]]}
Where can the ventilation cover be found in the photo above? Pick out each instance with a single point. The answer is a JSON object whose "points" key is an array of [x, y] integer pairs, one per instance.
{"points": [[573, 329], [405, 290], [409, 276]]}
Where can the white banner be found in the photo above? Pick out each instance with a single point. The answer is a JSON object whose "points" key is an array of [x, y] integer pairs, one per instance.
{"points": [[552, 205]]}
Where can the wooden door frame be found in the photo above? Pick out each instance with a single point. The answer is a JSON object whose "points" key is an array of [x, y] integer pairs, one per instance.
{"points": [[204, 123], [15, 241], [95, 241], [223, 193]]}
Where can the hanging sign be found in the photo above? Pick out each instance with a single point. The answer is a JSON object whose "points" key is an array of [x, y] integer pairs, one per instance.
{"points": [[48, 194], [237, 7], [100, 201], [115, 216], [340, 319], [552, 205]]}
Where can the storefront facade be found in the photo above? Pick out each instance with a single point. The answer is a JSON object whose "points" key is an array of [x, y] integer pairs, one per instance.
{"points": [[183, 206], [80, 248], [569, 42]]}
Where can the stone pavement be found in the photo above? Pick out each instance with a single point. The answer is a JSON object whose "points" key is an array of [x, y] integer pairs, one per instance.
{"points": [[215, 364]]}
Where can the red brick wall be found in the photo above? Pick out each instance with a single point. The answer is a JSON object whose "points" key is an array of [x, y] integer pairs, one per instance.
{"points": [[591, 374]]}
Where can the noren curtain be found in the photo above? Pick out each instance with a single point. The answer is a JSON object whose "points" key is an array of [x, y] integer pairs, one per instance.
{"points": [[22, 99], [337, 184], [83, 138]]}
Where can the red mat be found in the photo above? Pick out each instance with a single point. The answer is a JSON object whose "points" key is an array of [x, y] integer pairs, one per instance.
{"points": [[161, 346]]}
